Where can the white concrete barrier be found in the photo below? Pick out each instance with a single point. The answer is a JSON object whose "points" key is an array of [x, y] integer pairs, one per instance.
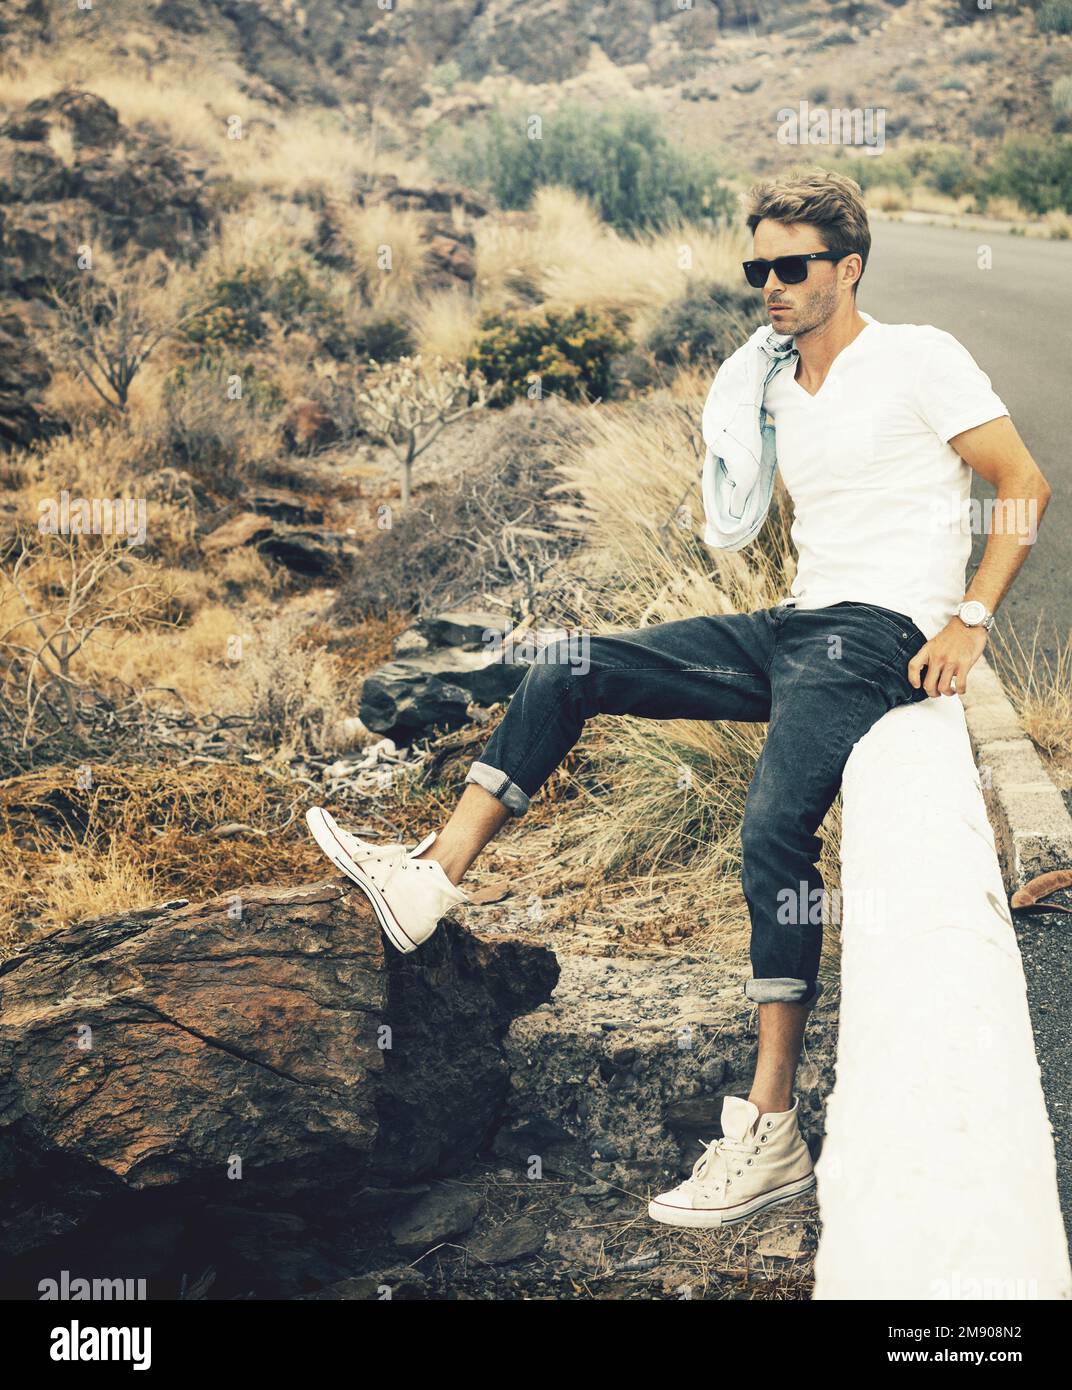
{"points": [[937, 1178]]}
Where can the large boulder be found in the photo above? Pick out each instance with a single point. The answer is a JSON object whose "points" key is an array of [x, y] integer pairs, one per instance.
{"points": [[268, 1035]]}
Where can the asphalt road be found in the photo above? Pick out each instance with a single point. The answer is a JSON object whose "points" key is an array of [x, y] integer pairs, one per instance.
{"points": [[1016, 320]]}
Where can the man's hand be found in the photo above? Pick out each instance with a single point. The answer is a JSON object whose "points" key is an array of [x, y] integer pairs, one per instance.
{"points": [[949, 656]]}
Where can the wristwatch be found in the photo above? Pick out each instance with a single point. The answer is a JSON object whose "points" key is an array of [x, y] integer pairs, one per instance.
{"points": [[972, 613]]}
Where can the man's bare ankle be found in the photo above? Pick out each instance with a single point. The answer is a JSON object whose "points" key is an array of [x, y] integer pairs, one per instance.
{"points": [[453, 869], [771, 1105]]}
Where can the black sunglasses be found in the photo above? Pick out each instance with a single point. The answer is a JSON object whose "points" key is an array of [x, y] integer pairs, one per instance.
{"points": [[791, 270]]}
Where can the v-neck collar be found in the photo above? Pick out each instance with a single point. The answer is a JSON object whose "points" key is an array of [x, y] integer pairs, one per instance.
{"points": [[814, 396]]}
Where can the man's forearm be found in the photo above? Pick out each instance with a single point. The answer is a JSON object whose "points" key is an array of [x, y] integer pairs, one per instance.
{"points": [[1017, 512]]}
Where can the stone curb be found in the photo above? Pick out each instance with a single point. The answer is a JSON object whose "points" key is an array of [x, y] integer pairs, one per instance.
{"points": [[1032, 826]]}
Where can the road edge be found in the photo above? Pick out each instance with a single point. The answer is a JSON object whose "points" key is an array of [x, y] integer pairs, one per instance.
{"points": [[1031, 823]]}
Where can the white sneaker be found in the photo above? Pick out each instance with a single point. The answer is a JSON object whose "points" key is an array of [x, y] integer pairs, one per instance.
{"points": [[408, 895], [742, 1173]]}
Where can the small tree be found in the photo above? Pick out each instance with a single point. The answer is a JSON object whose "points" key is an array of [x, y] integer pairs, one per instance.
{"points": [[110, 322], [407, 404]]}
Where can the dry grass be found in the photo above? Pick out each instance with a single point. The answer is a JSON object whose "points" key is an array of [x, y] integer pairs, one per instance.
{"points": [[446, 324], [386, 247], [138, 836], [205, 106], [1040, 688], [562, 253]]}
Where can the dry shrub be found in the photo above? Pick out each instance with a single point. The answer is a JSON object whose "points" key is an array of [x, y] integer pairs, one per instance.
{"points": [[292, 687], [67, 604], [219, 439], [471, 533]]}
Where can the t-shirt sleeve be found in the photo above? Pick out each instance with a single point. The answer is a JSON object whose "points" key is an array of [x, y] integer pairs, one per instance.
{"points": [[951, 391]]}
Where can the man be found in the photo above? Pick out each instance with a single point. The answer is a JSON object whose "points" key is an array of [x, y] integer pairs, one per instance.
{"points": [[875, 428]]}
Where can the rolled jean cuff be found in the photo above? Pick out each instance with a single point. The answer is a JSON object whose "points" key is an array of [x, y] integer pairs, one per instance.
{"points": [[782, 990], [500, 785]]}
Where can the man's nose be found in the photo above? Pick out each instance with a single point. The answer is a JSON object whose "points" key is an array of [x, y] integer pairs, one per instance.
{"points": [[777, 283]]}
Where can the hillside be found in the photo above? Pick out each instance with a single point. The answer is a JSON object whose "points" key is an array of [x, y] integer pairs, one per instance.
{"points": [[942, 69]]}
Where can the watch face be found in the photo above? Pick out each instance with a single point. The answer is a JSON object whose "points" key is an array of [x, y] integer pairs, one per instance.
{"points": [[972, 612]]}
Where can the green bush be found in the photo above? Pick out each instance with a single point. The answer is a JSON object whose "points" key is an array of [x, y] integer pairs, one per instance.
{"points": [[1055, 17], [1035, 170], [869, 170], [569, 354], [618, 157], [384, 339], [706, 325], [950, 170], [236, 314]]}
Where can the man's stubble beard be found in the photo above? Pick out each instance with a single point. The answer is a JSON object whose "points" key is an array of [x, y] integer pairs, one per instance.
{"points": [[816, 312]]}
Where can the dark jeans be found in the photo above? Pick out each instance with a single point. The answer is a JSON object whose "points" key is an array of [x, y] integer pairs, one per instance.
{"points": [[820, 676]]}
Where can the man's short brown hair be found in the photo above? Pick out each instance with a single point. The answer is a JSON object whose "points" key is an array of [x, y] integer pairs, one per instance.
{"points": [[832, 203]]}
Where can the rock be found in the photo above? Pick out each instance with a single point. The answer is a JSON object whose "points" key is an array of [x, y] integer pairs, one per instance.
{"points": [[732, 13], [92, 122], [514, 1240], [410, 643], [309, 426], [439, 196], [122, 189], [314, 553], [307, 551], [243, 529], [447, 1211], [695, 1118], [462, 627], [24, 373], [409, 696], [181, 17], [271, 1031], [451, 256], [282, 504]]}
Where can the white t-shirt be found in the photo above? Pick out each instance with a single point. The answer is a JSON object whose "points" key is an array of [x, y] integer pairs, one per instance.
{"points": [[881, 499]]}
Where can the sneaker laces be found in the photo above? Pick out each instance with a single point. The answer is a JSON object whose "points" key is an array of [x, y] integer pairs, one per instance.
{"points": [[391, 856], [714, 1163]]}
